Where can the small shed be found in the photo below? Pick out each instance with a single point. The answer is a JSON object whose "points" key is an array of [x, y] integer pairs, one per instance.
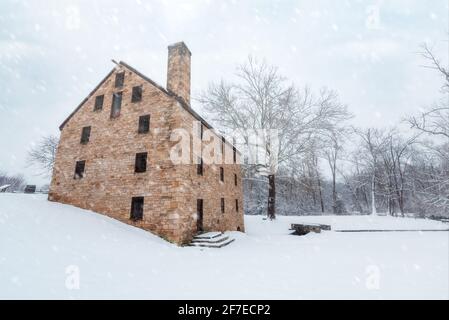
{"points": [[30, 189]]}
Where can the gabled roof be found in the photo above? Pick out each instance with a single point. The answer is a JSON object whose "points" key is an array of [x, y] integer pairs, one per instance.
{"points": [[85, 100], [161, 88]]}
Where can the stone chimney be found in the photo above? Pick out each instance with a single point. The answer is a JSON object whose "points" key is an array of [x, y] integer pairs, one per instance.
{"points": [[178, 71]]}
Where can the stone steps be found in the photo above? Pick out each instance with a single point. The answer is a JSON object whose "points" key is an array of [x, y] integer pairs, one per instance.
{"points": [[211, 240], [209, 235]]}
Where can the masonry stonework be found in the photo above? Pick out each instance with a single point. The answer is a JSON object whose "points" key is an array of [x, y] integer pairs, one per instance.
{"points": [[170, 190]]}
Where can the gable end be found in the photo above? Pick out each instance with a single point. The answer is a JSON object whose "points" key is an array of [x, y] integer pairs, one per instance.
{"points": [[85, 100], [156, 85]]}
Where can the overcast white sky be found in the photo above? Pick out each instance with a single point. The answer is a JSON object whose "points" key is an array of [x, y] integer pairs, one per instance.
{"points": [[53, 53]]}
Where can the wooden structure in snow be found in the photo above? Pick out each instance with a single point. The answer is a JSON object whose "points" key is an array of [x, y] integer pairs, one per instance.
{"points": [[303, 229]]}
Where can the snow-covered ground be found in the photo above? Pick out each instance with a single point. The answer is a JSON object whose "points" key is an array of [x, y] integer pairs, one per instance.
{"points": [[46, 247], [354, 223]]}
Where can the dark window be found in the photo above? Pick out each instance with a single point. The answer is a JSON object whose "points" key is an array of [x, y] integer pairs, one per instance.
{"points": [[137, 94], [235, 180], [200, 167], [119, 79], [137, 208], [99, 103], [144, 124], [235, 154], [223, 143], [85, 135], [222, 205], [141, 162], [79, 169], [221, 174], [236, 205], [116, 105]]}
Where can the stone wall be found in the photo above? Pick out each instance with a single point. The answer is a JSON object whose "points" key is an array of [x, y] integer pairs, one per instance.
{"points": [[209, 188]]}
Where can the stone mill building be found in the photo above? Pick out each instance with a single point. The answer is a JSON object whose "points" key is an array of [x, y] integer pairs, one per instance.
{"points": [[114, 157]]}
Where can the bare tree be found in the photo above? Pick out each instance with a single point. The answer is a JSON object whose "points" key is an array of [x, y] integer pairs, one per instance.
{"points": [[435, 120], [43, 155], [354, 189], [14, 183], [436, 64], [430, 170], [395, 154], [402, 172], [373, 142], [333, 148], [318, 181], [261, 99], [401, 151], [429, 176]]}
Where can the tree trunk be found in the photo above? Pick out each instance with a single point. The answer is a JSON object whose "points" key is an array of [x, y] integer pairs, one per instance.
{"points": [[401, 202], [321, 199], [355, 198], [365, 197], [271, 197], [320, 191], [311, 185], [401, 193], [373, 196], [334, 193]]}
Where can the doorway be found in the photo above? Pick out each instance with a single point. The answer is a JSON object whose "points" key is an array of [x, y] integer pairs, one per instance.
{"points": [[199, 212], [137, 208]]}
